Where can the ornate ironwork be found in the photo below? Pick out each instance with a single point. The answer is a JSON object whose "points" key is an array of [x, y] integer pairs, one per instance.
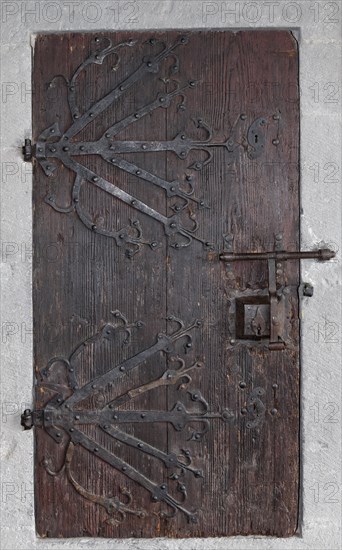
{"points": [[54, 144], [63, 420]]}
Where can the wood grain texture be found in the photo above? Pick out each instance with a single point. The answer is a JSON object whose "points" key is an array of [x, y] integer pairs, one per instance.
{"points": [[250, 474]]}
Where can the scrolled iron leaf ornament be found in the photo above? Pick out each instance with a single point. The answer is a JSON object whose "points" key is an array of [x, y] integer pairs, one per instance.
{"points": [[64, 419], [53, 144]]}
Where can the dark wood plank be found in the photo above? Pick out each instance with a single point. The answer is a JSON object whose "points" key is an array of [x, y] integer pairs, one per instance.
{"points": [[250, 472]]}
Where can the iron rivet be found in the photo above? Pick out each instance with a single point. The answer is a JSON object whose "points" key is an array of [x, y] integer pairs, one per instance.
{"points": [[275, 386], [97, 57], [275, 141], [110, 406], [179, 409], [82, 148], [107, 135], [91, 114], [133, 202], [77, 416], [144, 146], [242, 385], [48, 167], [274, 411], [177, 245], [71, 369], [136, 115], [94, 386], [71, 430], [52, 149], [244, 410], [232, 341], [40, 149], [140, 445], [95, 178], [154, 244], [279, 237], [97, 39], [196, 396], [187, 453], [172, 225], [207, 243], [183, 153], [163, 487], [149, 64], [177, 208], [93, 227], [121, 88], [276, 117], [124, 468], [192, 83], [169, 376], [138, 172], [243, 117], [143, 415], [198, 165], [52, 131], [122, 368], [188, 345], [172, 188], [183, 40], [113, 160], [59, 400], [279, 272], [76, 115], [201, 203], [96, 449], [115, 417], [197, 436], [65, 148], [58, 434], [154, 498], [182, 136], [279, 265], [106, 426], [162, 99]]}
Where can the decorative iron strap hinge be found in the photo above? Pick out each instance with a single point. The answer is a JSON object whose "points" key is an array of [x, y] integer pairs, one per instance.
{"points": [[64, 419], [277, 292], [55, 145]]}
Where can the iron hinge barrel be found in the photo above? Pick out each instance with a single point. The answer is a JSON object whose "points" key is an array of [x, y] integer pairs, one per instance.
{"points": [[32, 418], [28, 150]]}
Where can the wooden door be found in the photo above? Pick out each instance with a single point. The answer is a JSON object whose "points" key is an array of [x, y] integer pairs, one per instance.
{"points": [[166, 390]]}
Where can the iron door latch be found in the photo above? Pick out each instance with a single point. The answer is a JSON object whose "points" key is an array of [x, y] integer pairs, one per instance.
{"points": [[260, 317]]}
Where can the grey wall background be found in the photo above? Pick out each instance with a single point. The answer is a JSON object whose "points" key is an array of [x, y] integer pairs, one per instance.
{"points": [[319, 29]]}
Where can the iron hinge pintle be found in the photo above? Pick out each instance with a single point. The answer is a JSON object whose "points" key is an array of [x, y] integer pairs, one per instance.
{"points": [[31, 418], [27, 150]]}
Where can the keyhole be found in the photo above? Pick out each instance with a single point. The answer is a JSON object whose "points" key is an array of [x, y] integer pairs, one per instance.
{"points": [[259, 330], [256, 138]]}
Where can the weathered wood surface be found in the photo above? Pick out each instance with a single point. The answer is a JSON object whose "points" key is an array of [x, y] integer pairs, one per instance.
{"points": [[250, 474]]}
